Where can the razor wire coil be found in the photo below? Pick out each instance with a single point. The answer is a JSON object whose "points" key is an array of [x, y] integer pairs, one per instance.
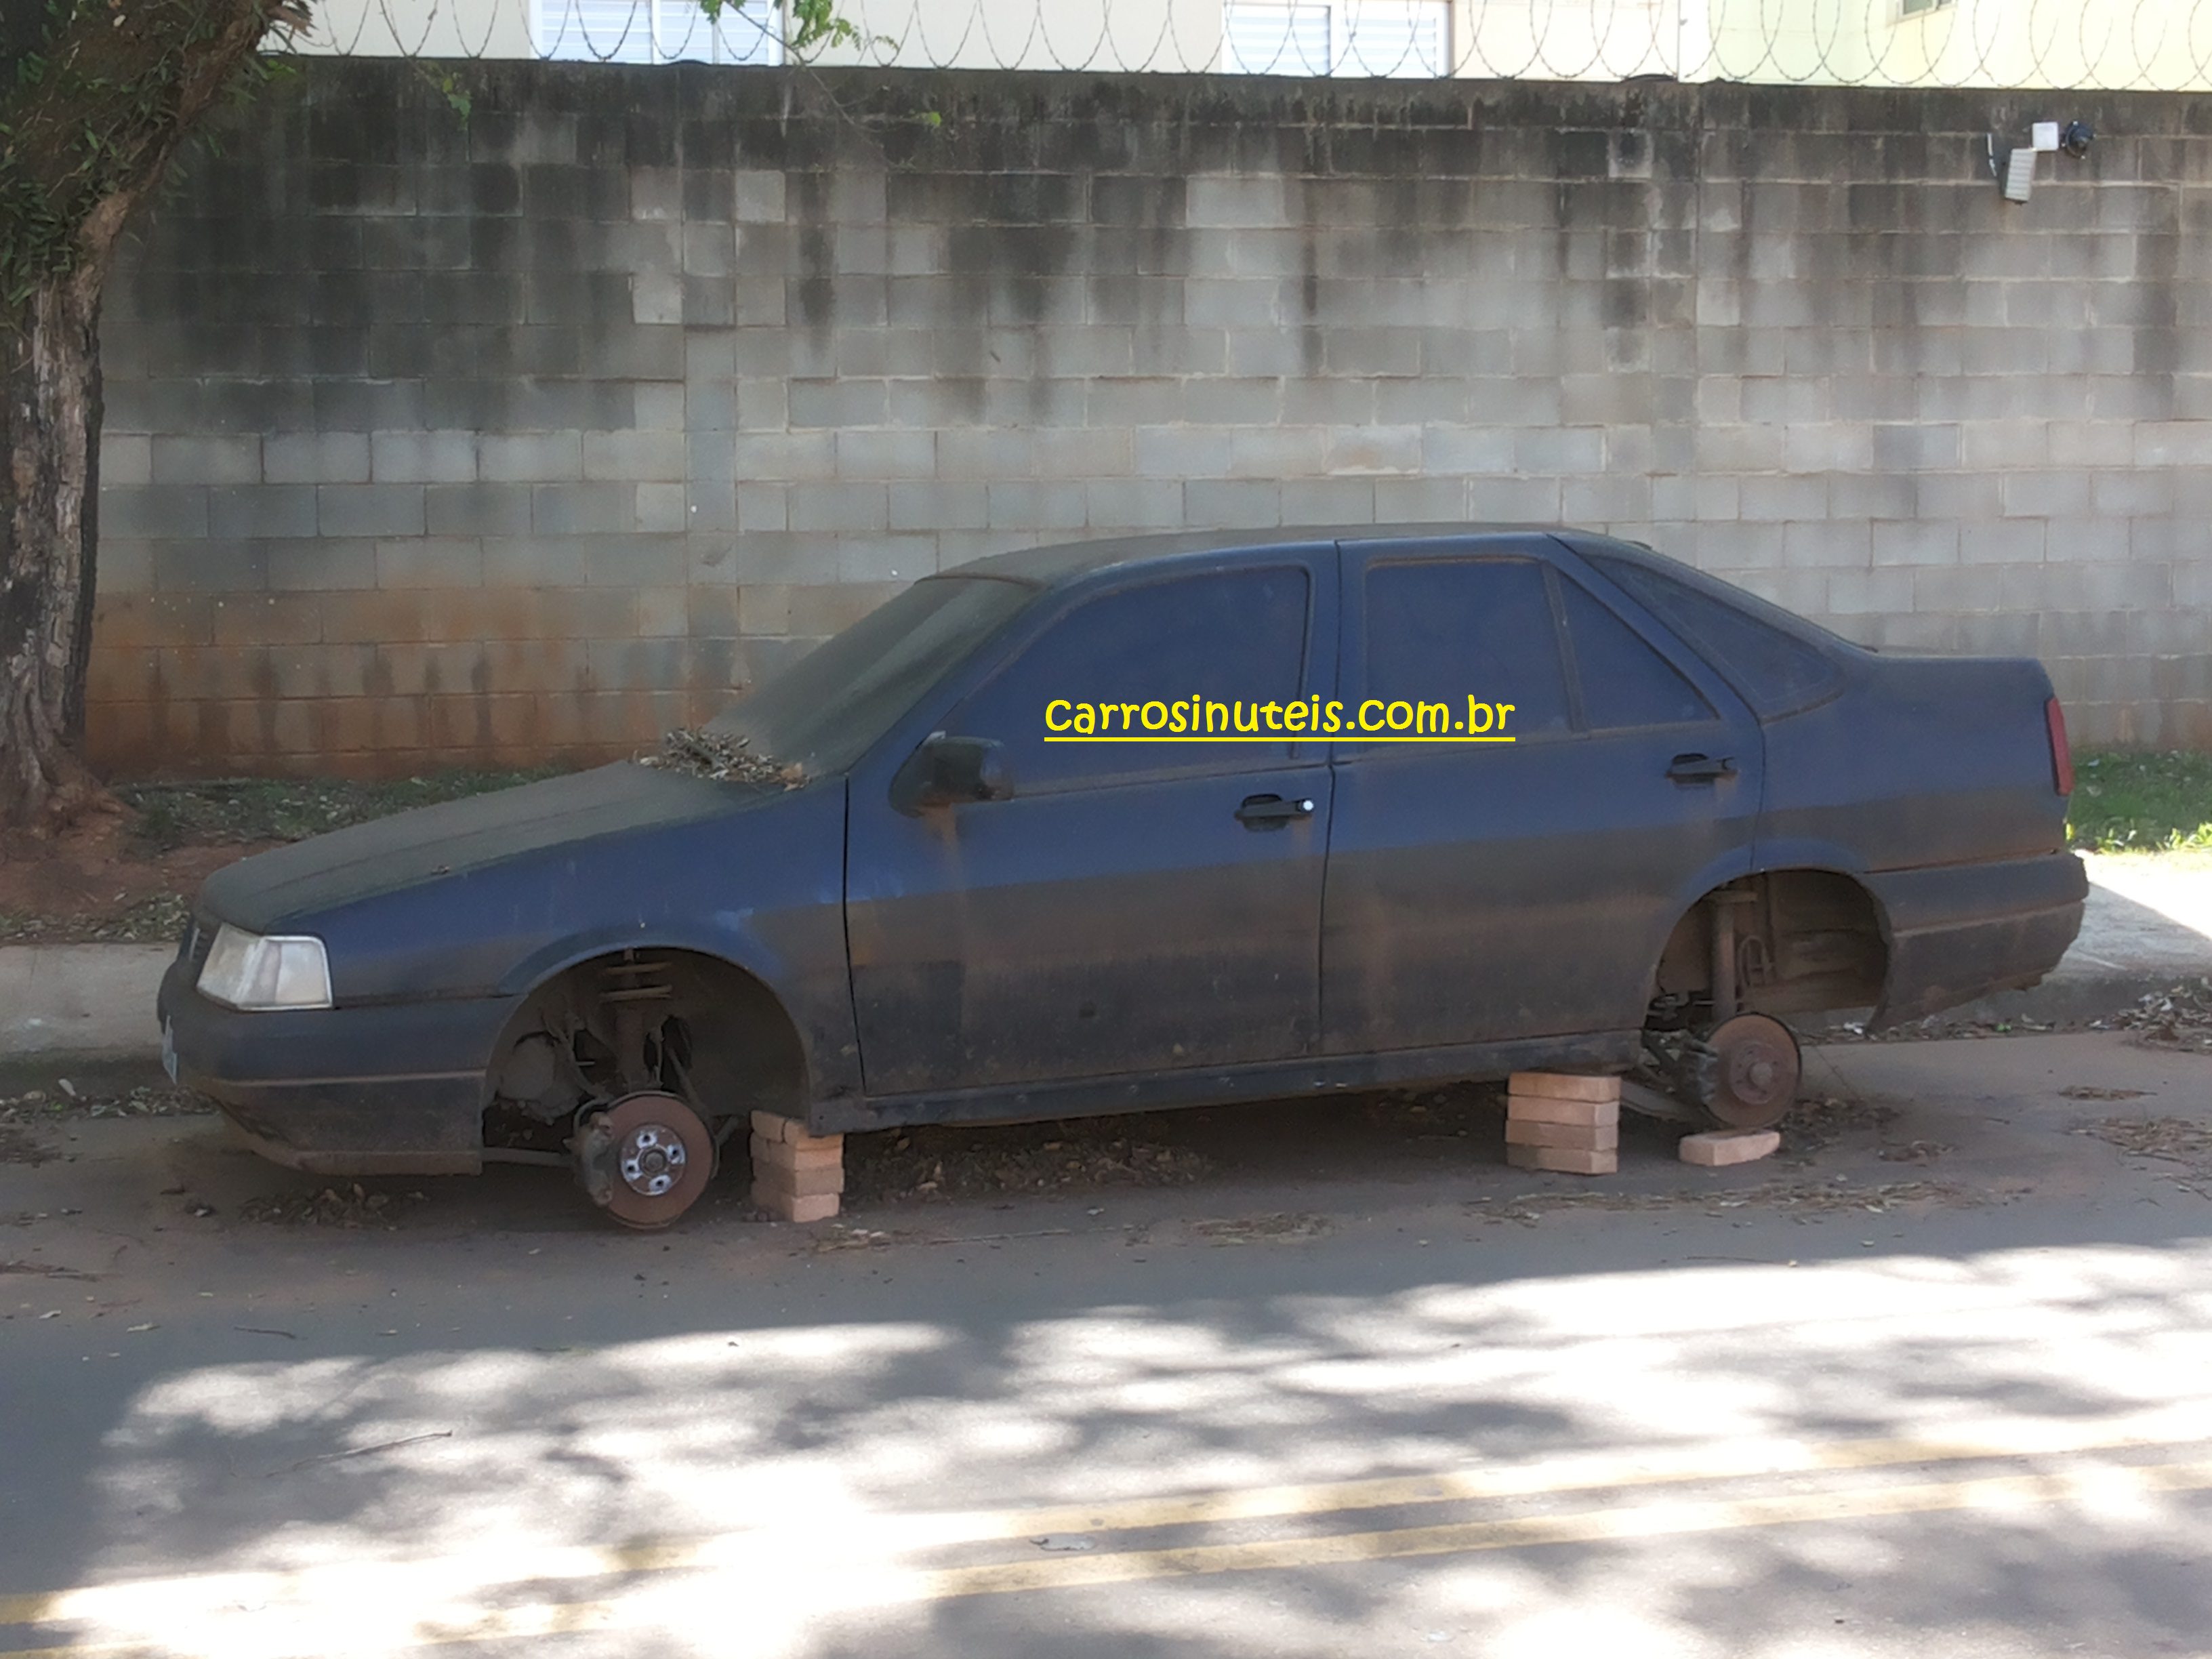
{"points": [[2083, 45]]}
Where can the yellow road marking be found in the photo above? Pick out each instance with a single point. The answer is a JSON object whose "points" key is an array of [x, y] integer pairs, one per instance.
{"points": [[1659, 1520], [887, 1536], [1590, 1527]]}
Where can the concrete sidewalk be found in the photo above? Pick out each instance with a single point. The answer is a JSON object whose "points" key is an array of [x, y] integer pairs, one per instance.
{"points": [[2148, 923], [91, 999]]}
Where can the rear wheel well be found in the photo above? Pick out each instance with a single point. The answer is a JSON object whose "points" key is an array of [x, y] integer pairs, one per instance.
{"points": [[1803, 940], [682, 1021]]}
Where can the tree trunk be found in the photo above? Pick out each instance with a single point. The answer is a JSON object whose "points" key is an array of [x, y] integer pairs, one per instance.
{"points": [[50, 445], [82, 140]]}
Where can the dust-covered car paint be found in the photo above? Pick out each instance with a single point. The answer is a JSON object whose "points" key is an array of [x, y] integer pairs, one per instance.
{"points": [[1712, 807]]}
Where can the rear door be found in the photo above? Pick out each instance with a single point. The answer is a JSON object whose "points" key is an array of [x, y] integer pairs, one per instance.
{"points": [[1137, 906], [1482, 891]]}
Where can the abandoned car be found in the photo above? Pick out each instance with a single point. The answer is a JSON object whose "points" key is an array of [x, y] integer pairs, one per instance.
{"points": [[1025, 842]]}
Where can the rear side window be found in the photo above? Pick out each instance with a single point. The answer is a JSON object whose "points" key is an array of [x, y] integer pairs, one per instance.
{"points": [[1624, 682], [1229, 636], [1777, 672], [1445, 630]]}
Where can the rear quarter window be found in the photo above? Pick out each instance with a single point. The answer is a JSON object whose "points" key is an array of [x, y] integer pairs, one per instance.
{"points": [[1777, 672]]}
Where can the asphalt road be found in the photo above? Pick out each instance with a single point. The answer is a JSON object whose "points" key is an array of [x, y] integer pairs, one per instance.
{"points": [[1939, 1385]]}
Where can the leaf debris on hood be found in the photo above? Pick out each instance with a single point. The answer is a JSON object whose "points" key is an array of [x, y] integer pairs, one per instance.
{"points": [[704, 753]]}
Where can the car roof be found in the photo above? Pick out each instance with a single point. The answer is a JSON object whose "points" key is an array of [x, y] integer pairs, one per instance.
{"points": [[1046, 567]]}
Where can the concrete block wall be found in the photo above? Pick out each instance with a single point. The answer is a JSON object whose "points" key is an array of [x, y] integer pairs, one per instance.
{"points": [[433, 441]]}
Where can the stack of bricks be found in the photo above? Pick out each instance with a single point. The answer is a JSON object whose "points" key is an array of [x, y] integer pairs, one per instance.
{"points": [[1555, 1122], [797, 1176]]}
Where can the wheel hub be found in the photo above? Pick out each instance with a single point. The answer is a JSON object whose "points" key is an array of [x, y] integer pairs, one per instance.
{"points": [[645, 1159], [652, 1159], [1755, 1074]]}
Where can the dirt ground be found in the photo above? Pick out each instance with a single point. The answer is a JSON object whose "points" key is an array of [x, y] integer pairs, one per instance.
{"points": [[125, 874], [99, 882]]}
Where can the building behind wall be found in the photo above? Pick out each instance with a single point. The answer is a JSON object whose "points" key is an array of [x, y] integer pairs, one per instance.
{"points": [[2145, 45]]}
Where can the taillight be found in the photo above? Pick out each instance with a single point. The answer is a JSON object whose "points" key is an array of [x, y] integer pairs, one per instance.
{"points": [[2061, 757]]}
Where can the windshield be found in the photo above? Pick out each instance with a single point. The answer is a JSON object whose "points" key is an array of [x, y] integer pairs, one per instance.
{"points": [[824, 711]]}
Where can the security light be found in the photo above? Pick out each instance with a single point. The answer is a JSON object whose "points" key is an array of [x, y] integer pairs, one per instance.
{"points": [[2016, 174]]}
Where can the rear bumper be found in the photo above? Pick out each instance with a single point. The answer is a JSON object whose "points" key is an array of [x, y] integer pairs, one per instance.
{"points": [[1960, 932], [393, 1089]]}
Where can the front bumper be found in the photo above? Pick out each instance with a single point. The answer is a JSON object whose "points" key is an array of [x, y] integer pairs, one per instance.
{"points": [[394, 1089], [1960, 932]]}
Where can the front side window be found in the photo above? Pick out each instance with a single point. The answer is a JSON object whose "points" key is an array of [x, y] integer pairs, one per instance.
{"points": [[824, 711], [1229, 637], [1446, 631]]}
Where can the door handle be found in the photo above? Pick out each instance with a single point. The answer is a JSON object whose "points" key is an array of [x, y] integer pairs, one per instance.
{"points": [[1271, 811], [1700, 769]]}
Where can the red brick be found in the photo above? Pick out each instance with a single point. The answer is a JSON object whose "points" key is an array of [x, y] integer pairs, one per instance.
{"points": [[1563, 1160], [786, 1208], [1561, 1085], [1539, 1109], [825, 1151], [771, 1126], [810, 1180], [1718, 1148], [1568, 1136]]}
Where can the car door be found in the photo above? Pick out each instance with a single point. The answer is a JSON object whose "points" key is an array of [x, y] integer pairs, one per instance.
{"points": [[1135, 906], [1477, 892]]}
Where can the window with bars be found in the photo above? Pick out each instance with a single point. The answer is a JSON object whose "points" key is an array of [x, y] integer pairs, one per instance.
{"points": [[658, 32], [1337, 36]]}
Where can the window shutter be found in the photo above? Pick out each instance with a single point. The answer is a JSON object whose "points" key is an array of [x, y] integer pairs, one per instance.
{"points": [[1260, 38], [1393, 37]]}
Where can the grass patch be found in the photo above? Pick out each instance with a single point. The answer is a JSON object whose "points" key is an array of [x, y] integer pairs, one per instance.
{"points": [[2136, 801], [229, 811]]}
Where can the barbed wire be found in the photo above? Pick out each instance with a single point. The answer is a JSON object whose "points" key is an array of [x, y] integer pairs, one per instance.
{"points": [[2146, 45]]}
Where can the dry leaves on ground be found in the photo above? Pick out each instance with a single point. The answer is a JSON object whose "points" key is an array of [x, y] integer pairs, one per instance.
{"points": [[948, 1164], [19, 1146], [2177, 1138], [67, 1102], [1818, 1121], [2180, 1016], [1801, 1198], [1280, 1228], [333, 1206]]}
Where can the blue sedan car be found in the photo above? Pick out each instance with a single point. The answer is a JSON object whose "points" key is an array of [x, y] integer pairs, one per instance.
{"points": [[1173, 821]]}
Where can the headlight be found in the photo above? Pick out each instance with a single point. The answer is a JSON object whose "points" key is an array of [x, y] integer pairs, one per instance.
{"points": [[246, 971]]}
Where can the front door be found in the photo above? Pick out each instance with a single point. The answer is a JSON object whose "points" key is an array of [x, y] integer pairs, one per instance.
{"points": [[1482, 891], [1146, 901]]}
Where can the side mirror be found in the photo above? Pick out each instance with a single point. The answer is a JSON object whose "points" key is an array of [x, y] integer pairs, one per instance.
{"points": [[948, 771]]}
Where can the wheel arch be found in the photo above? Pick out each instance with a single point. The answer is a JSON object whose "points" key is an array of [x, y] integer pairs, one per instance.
{"points": [[1818, 938], [745, 1052]]}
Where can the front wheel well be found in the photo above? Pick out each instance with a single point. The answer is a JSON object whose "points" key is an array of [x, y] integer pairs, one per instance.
{"points": [[1800, 941], [682, 1021]]}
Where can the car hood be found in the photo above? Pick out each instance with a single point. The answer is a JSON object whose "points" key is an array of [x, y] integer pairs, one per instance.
{"points": [[431, 843]]}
